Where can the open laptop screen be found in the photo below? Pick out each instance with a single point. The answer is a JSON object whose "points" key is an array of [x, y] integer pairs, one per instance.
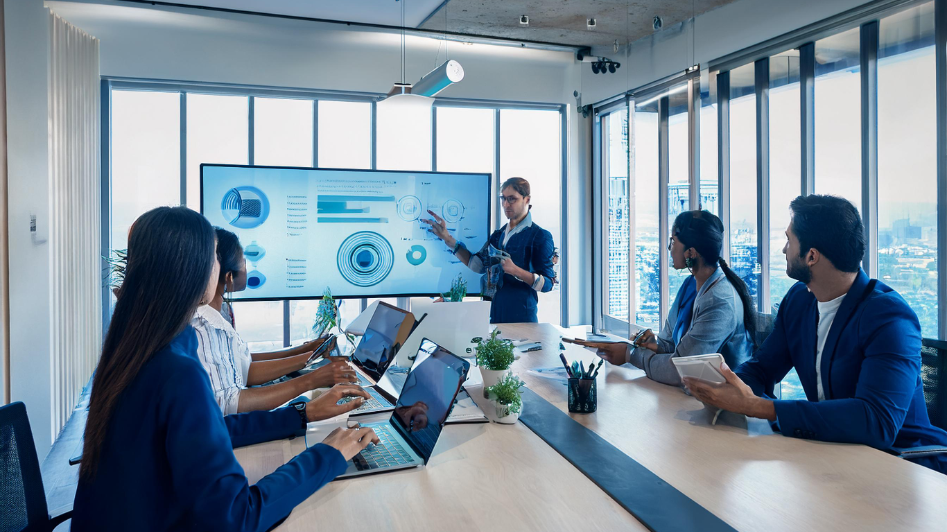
{"points": [[427, 396], [374, 351]]}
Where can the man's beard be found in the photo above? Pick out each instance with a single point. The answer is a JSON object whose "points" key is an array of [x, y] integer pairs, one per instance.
{"points": [[798, 270]]}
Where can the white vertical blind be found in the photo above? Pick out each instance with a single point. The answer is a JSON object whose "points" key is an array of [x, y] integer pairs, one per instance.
{"points": [[75, 294]]}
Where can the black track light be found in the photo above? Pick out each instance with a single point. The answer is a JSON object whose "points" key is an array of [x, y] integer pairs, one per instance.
{"points": [[595, 68], [611, 68]]}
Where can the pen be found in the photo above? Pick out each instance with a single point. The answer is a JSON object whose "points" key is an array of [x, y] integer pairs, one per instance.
{"points": [[565, 364], [595, 373], [582, 369]]}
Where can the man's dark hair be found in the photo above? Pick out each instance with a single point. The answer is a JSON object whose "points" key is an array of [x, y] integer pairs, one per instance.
{"points": [[831, 225]]}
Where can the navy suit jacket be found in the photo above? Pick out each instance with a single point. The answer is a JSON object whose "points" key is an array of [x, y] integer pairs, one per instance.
{"points": [[871, 371], [167, 462]]}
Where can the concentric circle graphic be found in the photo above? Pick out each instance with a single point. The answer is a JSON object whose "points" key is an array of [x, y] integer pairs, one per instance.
{"points": [[409, 208], [452, 210], [365, 258]]}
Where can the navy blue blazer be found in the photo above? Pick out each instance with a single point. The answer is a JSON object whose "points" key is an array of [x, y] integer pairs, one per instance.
{"points": [[167, 462], [530, 249], [871, 371]]}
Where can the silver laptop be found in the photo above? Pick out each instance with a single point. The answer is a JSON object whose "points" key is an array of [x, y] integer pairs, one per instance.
{"points": [[409, 436]]}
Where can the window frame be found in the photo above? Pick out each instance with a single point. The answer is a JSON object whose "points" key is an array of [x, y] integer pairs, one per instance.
{"points": [[108, 84]]}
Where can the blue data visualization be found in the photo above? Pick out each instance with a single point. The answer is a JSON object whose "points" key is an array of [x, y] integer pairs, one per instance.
{"points": [[357, 232]]}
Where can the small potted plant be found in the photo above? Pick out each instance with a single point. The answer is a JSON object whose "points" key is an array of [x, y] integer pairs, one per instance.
{"points": [[327, 318], [494, 357], [506, 394], [457, 292]]}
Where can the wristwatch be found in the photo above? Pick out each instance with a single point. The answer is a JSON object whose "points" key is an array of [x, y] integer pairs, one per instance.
{"points": [[301, 410], [457, 247]]}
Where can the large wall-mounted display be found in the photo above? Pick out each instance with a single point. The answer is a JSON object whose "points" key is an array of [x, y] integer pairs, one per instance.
{"points": [[357, 232]]}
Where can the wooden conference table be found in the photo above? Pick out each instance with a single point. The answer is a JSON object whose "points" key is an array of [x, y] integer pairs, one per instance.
{"points": [[504, 477]]}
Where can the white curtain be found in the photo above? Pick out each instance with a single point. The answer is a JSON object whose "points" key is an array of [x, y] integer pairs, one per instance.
{"points": [[75, 214]]}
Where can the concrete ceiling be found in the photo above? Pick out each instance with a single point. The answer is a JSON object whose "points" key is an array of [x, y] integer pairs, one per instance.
{"points": [[560, 22], [564, 21]]}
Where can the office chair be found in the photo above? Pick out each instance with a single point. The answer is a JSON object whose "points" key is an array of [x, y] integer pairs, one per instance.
{"points": [[934, 377], [22, 496], [764, 327]]}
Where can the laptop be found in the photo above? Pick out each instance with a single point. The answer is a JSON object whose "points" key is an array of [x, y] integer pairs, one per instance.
{"points": [[409, 436], [456, 325], [386, 333]]}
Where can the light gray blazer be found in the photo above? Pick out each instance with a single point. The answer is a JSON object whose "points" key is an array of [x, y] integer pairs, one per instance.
{"points": [[717, 327]]}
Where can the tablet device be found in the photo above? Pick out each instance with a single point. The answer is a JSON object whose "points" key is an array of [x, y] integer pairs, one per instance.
{"points": [[703, 367]]}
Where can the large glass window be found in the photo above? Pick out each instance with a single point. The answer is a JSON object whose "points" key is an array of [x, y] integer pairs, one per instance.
{"points": [[282, 132], [709, 174], [145, 157], [838, 116], [743, 200], [217, 133], [785, 165], [615, 129], [403, 134], [530, 147], [345, 134], [647, 217], [907, 161], [678, 179]]}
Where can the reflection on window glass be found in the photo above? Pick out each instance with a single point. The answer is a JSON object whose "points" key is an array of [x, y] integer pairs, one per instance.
{"points": [[403, 134], [838, 116], [678, 191], [907, 161], [302, 315], [282, 132], [615, 128], [145, 157], [785, 165], [345, 134], [217, 133], [709, 176], [743, 237], [647, 247], [531, 148], [259, 324]]}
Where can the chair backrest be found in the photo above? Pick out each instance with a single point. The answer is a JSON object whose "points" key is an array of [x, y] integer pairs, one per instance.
{"points": [[764, 327], [22, 497], [934, 377]]}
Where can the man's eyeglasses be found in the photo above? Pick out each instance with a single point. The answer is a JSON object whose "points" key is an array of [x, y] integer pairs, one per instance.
{"points": [[509, 199]]}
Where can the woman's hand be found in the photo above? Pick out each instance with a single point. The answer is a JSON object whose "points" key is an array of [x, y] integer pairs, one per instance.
{"points": [[611, 352], [439, 228], [647, 340], [350, 442], [335, 372], [326, 405]]}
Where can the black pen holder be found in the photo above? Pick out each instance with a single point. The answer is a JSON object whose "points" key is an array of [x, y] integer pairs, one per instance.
{"points": [[583, 396]]}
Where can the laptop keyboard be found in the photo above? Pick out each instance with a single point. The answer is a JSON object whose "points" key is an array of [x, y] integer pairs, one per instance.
{"points": [[377, 402], [388, 453]]}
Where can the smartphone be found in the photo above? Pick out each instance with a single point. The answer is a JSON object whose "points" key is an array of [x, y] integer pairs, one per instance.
{"points": [[324, 349]]}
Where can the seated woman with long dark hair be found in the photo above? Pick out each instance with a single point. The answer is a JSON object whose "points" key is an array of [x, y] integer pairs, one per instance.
{"points": [[228, 360], [158, 453], [712, 313]]}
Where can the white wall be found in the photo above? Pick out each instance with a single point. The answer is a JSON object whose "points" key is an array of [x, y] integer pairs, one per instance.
{"points": [[27, 49], [709, 36]]}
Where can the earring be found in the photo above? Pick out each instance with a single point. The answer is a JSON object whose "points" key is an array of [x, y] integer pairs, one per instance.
{"points": [[690, 262]]}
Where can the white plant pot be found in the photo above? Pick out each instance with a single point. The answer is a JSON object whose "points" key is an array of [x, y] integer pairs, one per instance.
{"points": [[505, 417], [491, 377]]}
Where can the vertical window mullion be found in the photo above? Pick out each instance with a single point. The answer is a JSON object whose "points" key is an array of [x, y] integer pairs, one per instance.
{"points": [[496, 169], [632, 301], [600, 298], [663, 176], [315, 133], [723, 157], [869, 143], [183, 147], [807, 116], [693, 142], [940, 51], [564, 216], [762, 182]]}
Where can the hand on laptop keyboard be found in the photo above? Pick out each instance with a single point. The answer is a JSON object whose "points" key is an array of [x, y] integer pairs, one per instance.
{"points": [[350, 442], [327, 405], [388, 452], [335, 372]]}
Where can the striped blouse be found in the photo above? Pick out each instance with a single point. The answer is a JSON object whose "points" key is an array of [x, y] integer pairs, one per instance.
{"points": [[224, 355]]}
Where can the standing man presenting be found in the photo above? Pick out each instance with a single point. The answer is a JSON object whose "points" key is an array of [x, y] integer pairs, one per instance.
{"points": [[529, 268]]}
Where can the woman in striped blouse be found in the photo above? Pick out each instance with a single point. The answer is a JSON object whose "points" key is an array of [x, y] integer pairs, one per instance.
{"points": [[227, 358]]}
